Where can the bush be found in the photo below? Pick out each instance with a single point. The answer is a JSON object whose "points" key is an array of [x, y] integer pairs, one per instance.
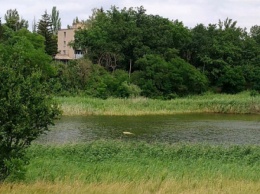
{"points": [[26, 110]]}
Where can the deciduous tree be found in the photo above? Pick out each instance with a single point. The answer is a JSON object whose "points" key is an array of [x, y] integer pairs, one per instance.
{"points": [[56, 20], [26, 109], [14, 21], [130, 34]]}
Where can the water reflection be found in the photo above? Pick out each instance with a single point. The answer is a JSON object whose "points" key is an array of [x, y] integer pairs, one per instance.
{"points": [[191, 128]]}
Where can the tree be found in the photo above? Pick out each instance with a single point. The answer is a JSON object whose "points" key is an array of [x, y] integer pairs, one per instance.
{"points": [[91, 19], [167, 79], [1, 29], [255, 33], [44, 28], [221, 47], [26, 109], [232, 80], [129, 34], [56, 21], [14, 21], [75, 21], [34, 25]]}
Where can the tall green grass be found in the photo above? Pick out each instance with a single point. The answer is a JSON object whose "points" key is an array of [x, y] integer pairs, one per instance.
{"points": [[241, 103], [138, 167], [116, 161]]}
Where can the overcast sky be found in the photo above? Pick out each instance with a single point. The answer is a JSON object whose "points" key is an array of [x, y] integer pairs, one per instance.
{"points": [[190, 12]]}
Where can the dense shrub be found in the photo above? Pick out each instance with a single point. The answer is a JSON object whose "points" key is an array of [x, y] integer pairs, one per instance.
{"points": [[232, 80], [81, 77], [26, 109], [161, 79]]}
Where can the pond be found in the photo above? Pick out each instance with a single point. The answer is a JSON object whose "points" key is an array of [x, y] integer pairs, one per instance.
{"points": [[186, 128]]}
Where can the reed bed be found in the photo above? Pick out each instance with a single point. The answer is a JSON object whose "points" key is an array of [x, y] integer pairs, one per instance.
{"points": [[241, 103], [138, 167]]}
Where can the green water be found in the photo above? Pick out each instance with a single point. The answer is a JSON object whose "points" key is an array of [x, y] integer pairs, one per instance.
{"points": [[187, 128]]}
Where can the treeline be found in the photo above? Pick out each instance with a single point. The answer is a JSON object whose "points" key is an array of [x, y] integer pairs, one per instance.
{"points": [[131, 53], [167, 59]]}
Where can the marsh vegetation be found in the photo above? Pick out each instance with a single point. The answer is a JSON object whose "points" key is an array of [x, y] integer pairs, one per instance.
{"points": [[140, 167], [242, 103]]}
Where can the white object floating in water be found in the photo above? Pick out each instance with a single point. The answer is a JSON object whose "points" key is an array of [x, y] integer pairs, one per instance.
{"points": [[127, 133]]}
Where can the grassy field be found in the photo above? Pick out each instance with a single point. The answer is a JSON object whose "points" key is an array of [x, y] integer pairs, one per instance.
{"points": [[136, 167], [241, 103]]}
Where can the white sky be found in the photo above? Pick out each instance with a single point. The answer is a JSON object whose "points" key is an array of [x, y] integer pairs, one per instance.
{"points": [[190, 12]]}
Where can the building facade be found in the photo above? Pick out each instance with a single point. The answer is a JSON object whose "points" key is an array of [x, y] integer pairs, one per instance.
{"points": [[65, 51]]}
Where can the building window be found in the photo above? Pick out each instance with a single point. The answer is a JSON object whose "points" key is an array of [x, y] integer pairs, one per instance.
{"points": [[64, 43], [64, 52], [78, 54], [64, 34]]}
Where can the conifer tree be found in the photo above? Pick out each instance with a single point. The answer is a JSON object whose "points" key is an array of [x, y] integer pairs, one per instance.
{"points": [[44, 28]]}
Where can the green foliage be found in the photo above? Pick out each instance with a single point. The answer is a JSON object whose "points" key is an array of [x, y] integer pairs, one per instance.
{"points": [[1, 30], [14, 21], [118, 161], [44, 28], [24, 47], [81, 77], [16, 167], [160, 78], [124, 39], [128, 90], [56, 21], [103, 84], [35, 39], [26, 110], [253, 93], [255, 33], [70, 78], [251, 74], [232, 80], [99, 82], [130, 34], [220, 50], [6, 33]]}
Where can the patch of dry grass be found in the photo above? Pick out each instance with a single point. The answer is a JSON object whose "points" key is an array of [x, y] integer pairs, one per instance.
{"points": [[169, 186]]}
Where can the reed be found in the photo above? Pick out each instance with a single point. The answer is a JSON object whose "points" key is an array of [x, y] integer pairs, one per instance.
{"points": [[138, 167], [109, 161], [241, 103]]}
